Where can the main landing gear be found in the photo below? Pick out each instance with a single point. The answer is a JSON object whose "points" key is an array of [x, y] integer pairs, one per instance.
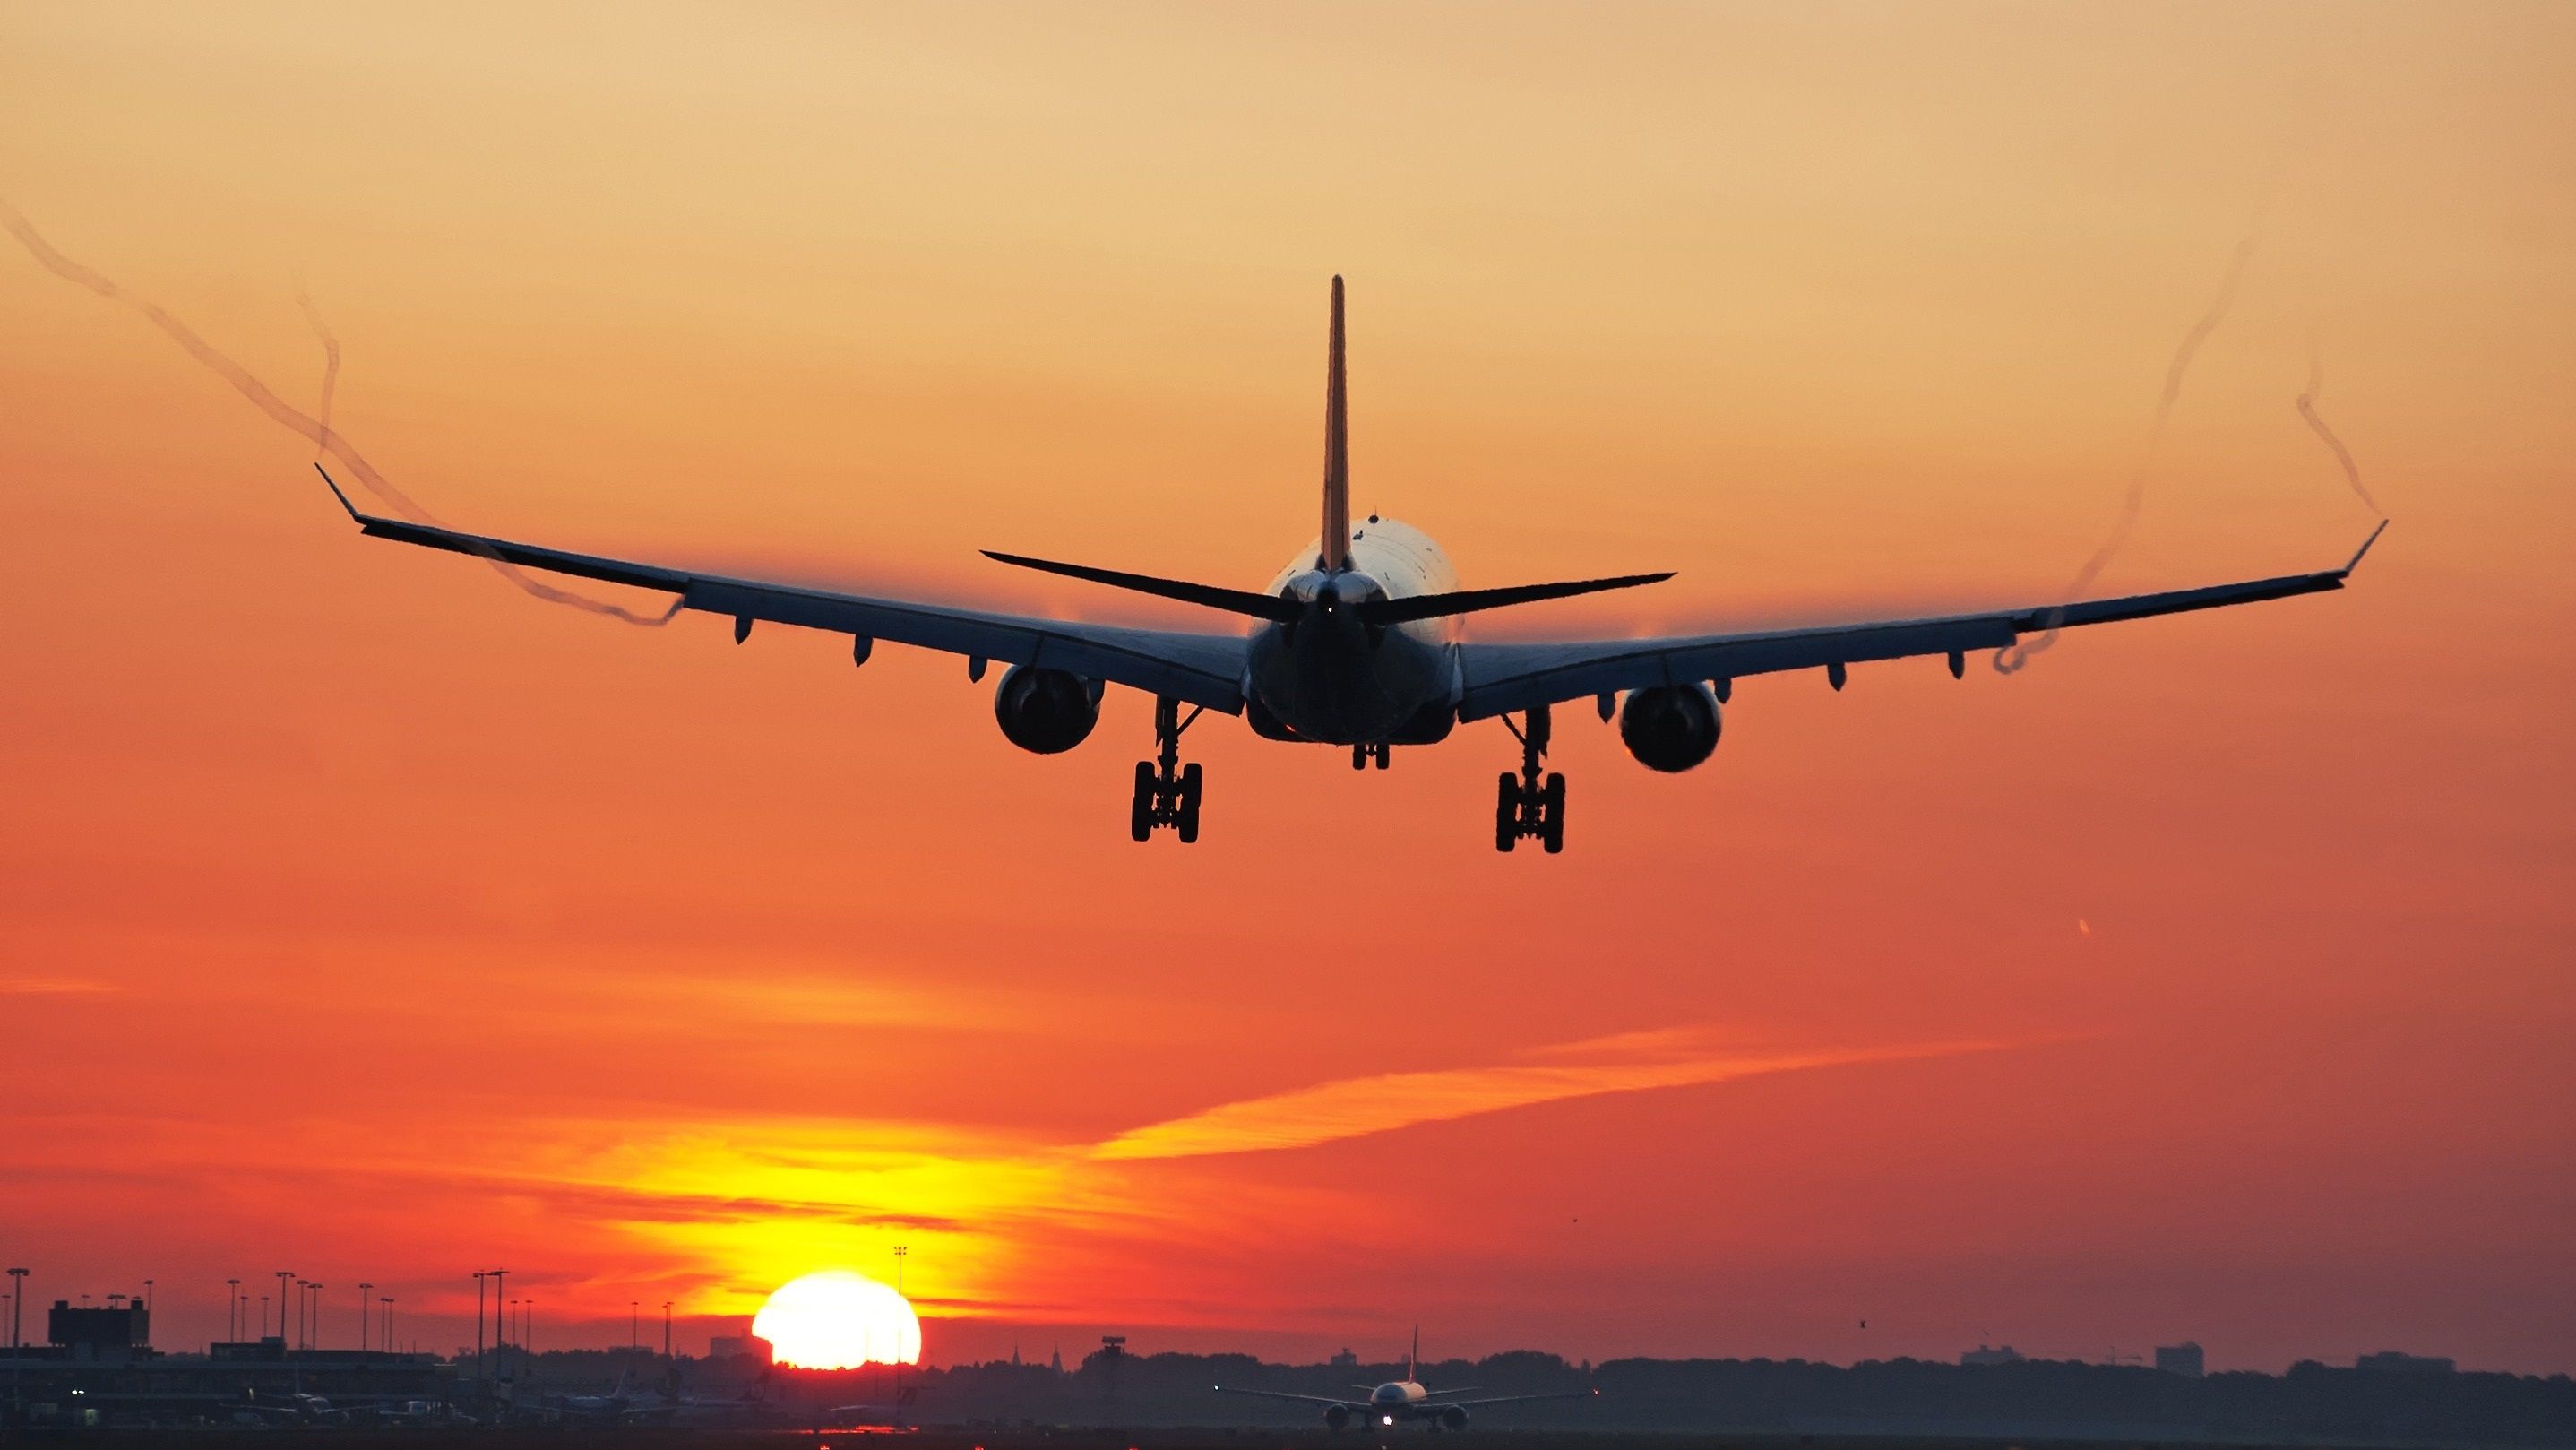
{"points": [[1363, 756], [1525, 805], [1167, 792]]}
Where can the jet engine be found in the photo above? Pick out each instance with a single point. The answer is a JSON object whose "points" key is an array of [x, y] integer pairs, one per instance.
{"points": [[1670, 727], [1046, 711], [1337, 1417], [1453, 1417]]}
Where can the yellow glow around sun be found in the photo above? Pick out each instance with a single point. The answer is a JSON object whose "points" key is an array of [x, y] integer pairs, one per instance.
{"points": [[838, 1320]]}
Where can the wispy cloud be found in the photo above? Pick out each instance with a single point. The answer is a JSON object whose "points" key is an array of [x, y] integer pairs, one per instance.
{"points": [[1354, 1107], [53, 987], [715, 1211]]}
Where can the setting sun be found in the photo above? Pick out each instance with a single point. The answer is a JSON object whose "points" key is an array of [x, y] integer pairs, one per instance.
{"points": [[838, 1320]]}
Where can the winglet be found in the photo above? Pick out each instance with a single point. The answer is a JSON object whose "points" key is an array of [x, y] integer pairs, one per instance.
{"points": [[336, 493], [2364, 549]]}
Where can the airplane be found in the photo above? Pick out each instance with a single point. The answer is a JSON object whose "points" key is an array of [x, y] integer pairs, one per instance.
{"points": [[1403, 1401], [669, 1406], [1357, 643], [610, 1408]]}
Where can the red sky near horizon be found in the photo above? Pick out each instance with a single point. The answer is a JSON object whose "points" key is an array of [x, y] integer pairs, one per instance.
{"points": [[364, 917]]}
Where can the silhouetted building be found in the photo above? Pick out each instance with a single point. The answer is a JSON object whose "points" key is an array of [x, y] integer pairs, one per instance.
{"points": [[2184, 1359], [92, 1333], [2002, 1354], [1345, 1359], [2389, 1361], [735, 1346]]}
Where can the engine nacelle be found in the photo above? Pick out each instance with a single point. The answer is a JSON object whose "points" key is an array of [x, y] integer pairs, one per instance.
{"points": [[1337, 1417], [1670, 727], [1453, 1417], [1046, 711]]}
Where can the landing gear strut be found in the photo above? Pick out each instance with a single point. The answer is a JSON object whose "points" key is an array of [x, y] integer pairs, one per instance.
{"points": [[1526, 805], [1363, 756], [1167, 792]]}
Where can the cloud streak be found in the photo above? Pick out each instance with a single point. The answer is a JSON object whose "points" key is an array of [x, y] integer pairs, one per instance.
{"points": [[53, 987], [1356, 1107]]}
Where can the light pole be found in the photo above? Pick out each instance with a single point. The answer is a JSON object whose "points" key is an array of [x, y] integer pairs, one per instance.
{"points": [[500, 1331], [363, 1291], [897, 1417], [17, 1305], [478, 1326], [666, 1329], [232, 1309], [282, 1276]]}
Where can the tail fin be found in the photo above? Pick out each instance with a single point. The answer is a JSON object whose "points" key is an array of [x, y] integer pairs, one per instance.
{"points": [[1413, 1356], [1335, 539]]}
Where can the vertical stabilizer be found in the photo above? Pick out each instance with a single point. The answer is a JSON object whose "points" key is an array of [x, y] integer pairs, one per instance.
{"points": [[1336, 537], [1413, 1356]]}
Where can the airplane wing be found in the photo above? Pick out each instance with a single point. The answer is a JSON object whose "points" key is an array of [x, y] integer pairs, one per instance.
{"points": [[1499, 677], [1518, 1399], [1300, 1399], [1199, 669]]}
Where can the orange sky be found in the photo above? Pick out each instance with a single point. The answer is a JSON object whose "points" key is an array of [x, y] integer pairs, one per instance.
{"points": [[363, 916]]}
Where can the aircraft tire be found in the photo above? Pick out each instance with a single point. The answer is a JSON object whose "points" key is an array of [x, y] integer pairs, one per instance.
{"points": [[1191, 776], [1507, 816], [1551, 814], [1187, 807], [1140, 807]]}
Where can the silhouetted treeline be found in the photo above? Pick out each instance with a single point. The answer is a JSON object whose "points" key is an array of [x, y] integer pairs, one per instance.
{"points": [[2037, 1399], [1891, 1397]]}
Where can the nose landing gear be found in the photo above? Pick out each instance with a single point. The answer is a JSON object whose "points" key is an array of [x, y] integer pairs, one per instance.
{"points": [[1167, 792], [1363, 756], [1527, 806]]}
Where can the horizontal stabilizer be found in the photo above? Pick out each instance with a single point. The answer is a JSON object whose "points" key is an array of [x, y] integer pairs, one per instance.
{"points": [[1468, 601], [1235, 601]]}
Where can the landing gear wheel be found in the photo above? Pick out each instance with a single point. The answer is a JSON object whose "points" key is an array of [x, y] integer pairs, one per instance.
{"points": [[1381, 751], [1530, 804], [1359, 757], [1186, 810], [1167, 792], [1140, 809]]}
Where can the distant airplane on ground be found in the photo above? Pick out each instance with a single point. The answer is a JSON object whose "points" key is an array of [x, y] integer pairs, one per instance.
{"points": [[669, 1406], [1402, 1401], [1357, 644], [611, 1408]]}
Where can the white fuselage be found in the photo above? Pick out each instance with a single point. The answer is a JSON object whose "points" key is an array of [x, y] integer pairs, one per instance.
{"points": [[1332, 679]]}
